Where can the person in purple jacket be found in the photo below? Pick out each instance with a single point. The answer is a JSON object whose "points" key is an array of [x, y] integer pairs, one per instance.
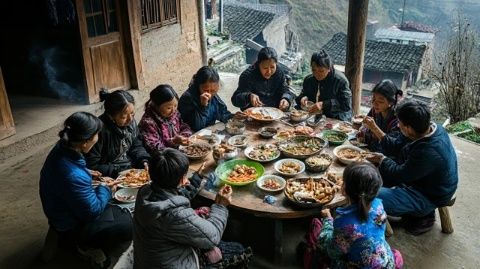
{"points": [[76, 211], [161, 126]]}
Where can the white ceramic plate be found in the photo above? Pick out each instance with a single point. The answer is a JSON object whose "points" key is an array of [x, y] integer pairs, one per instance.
{"points": [[234, 138], [126, 195], [273, 112], [278, 179], [249, 150], [279, 163], [347, 160]]}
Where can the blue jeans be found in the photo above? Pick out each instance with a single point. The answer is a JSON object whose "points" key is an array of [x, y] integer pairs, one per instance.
{"points": [[403, 200]]}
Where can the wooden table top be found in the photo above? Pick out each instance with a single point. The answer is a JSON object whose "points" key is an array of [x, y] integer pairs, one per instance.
{"points": [[249, 198]]}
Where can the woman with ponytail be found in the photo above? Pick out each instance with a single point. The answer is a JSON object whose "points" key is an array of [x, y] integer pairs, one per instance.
{"points": [[119, 146], [200, 105], [356, 237], [77, 211], [381, 124]]}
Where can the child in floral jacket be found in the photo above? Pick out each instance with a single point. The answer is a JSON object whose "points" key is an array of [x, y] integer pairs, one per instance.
{"points": [[161, 126], [356, 237]]}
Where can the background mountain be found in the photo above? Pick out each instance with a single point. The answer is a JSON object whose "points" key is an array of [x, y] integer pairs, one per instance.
{"points": [[317, 21]]}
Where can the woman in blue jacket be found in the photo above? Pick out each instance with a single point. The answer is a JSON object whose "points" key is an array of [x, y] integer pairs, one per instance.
{"points": [[200, 106], [77, 211]]}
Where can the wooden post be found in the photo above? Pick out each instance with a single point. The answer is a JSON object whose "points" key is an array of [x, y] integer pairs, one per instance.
{"points": [[220, 16], [7, 127], [357, 22], [445, 220], [203, 33]]}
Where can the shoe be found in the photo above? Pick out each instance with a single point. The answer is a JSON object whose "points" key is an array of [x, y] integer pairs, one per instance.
{"points": [[96, 256], [420, 225]]}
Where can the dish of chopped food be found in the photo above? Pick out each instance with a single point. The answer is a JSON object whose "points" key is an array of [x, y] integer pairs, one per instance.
{"points": [[198, 150], [133, 178], [309, 192], [271, 183], [266, 114], [302, 146], [262, 152], [289, 167]]}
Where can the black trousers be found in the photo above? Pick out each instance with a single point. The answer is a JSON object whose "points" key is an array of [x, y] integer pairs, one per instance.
{"points": [[112, 227]]}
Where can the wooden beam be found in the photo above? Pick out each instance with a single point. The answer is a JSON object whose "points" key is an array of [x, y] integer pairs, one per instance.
{"points": [[357, 22]]}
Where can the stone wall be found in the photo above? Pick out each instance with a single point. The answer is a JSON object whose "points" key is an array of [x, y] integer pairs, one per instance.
{"points": [[172, 54], [274, 34]]}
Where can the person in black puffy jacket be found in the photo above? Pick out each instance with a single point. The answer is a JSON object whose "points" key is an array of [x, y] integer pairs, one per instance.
{"points": [[119, 146]]}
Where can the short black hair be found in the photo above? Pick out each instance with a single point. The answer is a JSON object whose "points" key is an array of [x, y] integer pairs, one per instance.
{"points": [[115, 102], [161, 94], [267, 53], [362, 181], [80, 127], [203, 75], [415, 114], [389, 90], [322, 59], [168, 167]]}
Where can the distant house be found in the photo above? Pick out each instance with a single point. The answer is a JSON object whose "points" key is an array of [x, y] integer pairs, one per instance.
{"points": [[260, 25], [395, 35], [403, 64], [71, 49]]}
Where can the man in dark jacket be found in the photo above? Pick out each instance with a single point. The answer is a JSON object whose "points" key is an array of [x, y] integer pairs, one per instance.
{"points": [[425, 176], [327, 88], [263, 84]]}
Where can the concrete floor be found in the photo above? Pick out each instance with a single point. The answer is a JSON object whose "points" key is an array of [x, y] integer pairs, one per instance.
{"points": [[23, 225]]}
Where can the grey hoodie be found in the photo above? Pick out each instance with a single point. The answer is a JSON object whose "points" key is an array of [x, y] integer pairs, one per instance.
{"points": [[166, 229]]}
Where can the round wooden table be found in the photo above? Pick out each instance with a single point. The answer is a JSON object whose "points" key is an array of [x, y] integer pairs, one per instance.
{"points": [[249, 198]]}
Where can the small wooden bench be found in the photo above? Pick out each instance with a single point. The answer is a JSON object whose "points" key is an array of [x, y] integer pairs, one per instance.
{"points": [[445, 219]]}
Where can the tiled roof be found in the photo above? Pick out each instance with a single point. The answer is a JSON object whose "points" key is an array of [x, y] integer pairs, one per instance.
{"points": [[380, 56], [418, 27], [244, 23], [395, 33], [277, 9]]}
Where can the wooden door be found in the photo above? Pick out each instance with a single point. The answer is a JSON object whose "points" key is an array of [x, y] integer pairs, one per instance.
{"points": [[104, 57], [7, 128]]}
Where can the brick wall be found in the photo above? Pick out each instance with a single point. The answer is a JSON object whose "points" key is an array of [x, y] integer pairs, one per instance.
{"points": [[172, 54]]}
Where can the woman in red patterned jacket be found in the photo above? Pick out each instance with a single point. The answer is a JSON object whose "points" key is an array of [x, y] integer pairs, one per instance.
{"points": [[161, 126]]}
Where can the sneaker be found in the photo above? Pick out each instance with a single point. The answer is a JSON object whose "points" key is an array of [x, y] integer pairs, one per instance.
{"points": [[420, 225], [96, 256]]}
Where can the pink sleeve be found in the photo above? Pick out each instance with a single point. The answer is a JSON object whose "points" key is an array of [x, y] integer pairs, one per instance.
{"points": [[151, 137]]}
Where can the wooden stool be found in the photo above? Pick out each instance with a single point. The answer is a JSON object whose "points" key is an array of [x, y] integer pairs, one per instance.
{"points": [[445, 220]]}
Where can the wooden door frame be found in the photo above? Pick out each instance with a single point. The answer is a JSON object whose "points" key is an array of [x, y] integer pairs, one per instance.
{"points": [[124, 28]]}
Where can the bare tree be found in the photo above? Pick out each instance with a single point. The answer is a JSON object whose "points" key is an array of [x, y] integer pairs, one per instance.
{"points": [[457, 72]]}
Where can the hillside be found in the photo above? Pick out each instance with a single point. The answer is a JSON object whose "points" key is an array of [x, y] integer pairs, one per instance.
{"points": [[317, 21]]}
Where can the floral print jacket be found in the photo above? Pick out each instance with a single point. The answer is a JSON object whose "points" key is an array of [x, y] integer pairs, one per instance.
{"points": [[351, 243], [158, 132]]}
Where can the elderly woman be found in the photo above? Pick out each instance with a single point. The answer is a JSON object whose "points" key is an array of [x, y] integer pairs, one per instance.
{"points": [[200, 106], [119, 144], [263, 84], [327, 88], [76, 211], [381, 121]]}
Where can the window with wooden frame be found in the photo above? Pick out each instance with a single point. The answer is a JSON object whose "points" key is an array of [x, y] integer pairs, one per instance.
{"points": [[158, 13], [101, 17]]}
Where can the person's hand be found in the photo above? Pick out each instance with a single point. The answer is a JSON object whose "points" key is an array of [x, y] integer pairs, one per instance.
{"points": [[201, 169], [205, 98], [255, 100], [284, 104], [369, 122], [180, 140], [304, 101], [224, 195], [111, 183], [317, 107], [325, 213], [375, 157], [145, 166], [95, 174]]}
